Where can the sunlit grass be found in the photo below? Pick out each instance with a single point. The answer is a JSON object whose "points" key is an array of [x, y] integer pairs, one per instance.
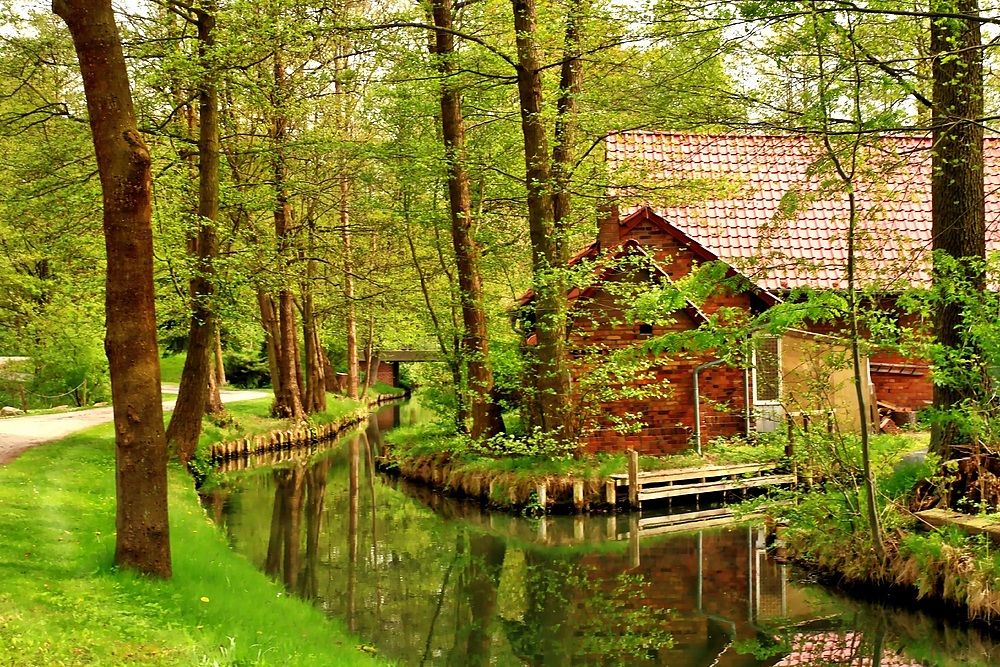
{"points": [[171, 367], [63, 603]]}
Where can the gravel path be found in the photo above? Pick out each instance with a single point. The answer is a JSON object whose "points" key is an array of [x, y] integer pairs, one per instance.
{"points": [[20, 433]]}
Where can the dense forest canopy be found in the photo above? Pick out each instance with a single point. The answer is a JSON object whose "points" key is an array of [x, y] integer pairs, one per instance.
{"points": [[331, 233]]}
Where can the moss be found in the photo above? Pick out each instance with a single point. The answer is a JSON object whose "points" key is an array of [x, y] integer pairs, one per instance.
{"points": [[64, 603]]}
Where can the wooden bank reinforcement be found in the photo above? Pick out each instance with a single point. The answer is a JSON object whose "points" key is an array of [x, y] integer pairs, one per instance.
{"points": [[281, 445]]}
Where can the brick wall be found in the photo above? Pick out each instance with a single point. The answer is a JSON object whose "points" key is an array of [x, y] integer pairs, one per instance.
{"points": [[598, 328], [386, 374]]}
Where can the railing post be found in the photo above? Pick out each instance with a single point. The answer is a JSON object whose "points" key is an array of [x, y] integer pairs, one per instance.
{"points": [[790, 446], [633, 479]]}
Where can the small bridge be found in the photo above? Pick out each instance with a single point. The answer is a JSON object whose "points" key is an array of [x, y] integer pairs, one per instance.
{"points": [[389, 360], [643, 487]]}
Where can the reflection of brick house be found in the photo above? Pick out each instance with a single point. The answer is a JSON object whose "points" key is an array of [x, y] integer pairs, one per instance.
{"points": [[760, 205]]}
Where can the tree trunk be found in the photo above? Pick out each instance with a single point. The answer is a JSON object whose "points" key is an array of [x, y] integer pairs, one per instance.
{"points": [[486, 417], [220, 367], [289, 404], [371, 361], [957, 191], [272, 336], [552, 391], [198, 390], [143, 540], [288, 399], [315, 371], [350, 323]]}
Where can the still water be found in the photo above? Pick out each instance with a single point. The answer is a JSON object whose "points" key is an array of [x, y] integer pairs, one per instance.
{"points": [[437, 582]]}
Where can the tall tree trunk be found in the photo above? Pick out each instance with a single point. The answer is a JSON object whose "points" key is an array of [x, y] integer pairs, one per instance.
{"points": [[552, 391], [486, 418], [288, 399], [371, 359], [570, 87], [143, 540], [220, 367], [198, 390], [343, 184], [958, 209], [272, 336], [315, 372]]}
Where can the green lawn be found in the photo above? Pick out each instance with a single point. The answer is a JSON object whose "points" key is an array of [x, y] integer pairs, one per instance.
{"points": [[63, 603], [171, 367], [250, 418]]}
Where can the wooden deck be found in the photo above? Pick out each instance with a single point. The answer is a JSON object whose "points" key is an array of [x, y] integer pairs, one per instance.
{"points": [[639, 487]]}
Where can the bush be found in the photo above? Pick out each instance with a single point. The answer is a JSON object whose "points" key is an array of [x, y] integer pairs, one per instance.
{"points": [[247, 370]]}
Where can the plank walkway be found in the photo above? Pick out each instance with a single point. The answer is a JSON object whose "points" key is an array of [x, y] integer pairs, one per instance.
{"points": [[640, 487]]}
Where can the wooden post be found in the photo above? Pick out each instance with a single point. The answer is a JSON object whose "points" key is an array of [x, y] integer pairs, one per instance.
{"points": [[578, 495], [610, 492], [24, 399], [829, 422], [633, 540], [805, 422], [633, 479], [790, 447], [542, 491]]}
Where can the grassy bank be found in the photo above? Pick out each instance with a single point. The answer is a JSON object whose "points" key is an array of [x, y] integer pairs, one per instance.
{"points": [[62, 602], [827, 529], [250, 418], [434, 454]]}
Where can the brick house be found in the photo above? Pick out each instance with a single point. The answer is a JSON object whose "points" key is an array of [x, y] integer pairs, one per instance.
{"points": [[763, 206]]}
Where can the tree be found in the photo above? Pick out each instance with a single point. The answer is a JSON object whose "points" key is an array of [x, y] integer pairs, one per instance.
{"points": [[199, 375], [548, 243], [958, 210], [486, 418], [123, 162]]}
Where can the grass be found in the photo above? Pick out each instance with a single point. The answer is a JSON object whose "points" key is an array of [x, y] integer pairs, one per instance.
{"points": [[63, 603], [250, 418], [436, 440], [171, 367]]}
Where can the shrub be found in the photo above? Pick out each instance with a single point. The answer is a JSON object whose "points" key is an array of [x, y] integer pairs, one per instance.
{"points": [[247, 370]]}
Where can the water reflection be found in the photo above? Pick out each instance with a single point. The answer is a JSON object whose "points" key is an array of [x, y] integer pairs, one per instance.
{"points": [[432, 581]]}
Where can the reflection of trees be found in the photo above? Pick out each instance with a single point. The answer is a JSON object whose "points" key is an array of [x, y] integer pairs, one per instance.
{"points": [[297, 489], [575, 614], [354, 449], [283, 544], [315, 505], [478, 590]]}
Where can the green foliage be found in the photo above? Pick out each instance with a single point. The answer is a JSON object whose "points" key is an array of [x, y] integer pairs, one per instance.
{"points": [[67, 352], [247, 370]]}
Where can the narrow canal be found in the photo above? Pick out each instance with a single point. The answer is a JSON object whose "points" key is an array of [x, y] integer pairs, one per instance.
{"points": [[433, 581]]}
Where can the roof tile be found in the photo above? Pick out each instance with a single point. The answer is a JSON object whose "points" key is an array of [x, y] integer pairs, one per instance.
{"points": [[768, 214]]}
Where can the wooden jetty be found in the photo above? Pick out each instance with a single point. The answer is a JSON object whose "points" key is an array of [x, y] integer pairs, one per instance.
{"points": [[639, 487]]}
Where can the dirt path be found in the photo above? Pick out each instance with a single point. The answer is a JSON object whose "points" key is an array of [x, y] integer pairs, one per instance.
{"points": [[20, 433]]}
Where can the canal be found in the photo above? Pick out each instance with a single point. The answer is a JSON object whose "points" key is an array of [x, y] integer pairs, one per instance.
{"points": [[432, 581]]}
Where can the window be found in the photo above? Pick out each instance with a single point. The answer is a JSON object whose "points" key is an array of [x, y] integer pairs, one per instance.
{"points": [[645, 329], [767, 369]]}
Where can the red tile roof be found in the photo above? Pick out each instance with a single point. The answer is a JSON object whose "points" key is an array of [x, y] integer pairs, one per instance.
{"points": [[765, 204]]}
